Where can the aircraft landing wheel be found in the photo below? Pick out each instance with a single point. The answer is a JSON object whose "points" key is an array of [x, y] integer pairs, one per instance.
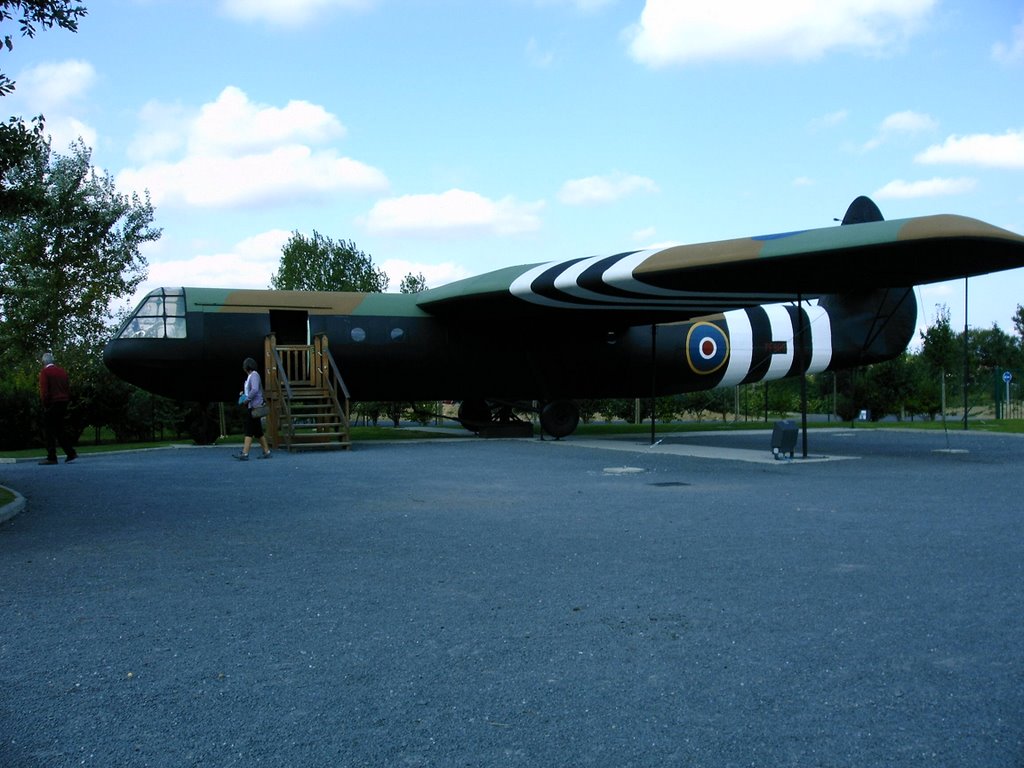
{"points": [[474, 414], [560, 418]]}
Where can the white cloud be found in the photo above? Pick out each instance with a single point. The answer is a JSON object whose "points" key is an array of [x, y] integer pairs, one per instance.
{"points": [[1012, 52], [284, 174], [57, 85], [165, 129], [453, 213], [980, 149], [248, 264], [831, 119], [908, 122], [671, 32], [903, 190], [905, 123], [536, 57], [239, 153], [233, 125], [581, 5], [56, 90], [293, 13], [64, 131], [604, 189]]}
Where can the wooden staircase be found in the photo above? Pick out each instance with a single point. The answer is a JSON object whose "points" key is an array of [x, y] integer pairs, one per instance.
{"points": [[308, 399]]}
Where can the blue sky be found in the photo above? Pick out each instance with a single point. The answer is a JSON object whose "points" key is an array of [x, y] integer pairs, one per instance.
{"points": [[453, 137]]}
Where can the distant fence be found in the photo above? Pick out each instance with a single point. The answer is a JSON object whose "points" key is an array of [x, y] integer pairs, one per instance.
{"points": [[1006, 392], [1012, 410]]}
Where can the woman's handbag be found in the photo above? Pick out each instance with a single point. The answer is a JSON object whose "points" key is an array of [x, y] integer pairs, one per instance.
{"points": [[260, 411]]}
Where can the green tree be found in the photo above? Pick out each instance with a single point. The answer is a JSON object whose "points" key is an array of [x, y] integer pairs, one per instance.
{"points": [[625, 408], [19, 408], [925, 395], [942, 356], [413, 283], [69, 246], [20, 146], [939, 345], [697, 404], [1018, 327], [588, 407], [848, 397], [991, 349], [885, 388], [19, 141], [781, 397], [65, 261], [319, 263]]}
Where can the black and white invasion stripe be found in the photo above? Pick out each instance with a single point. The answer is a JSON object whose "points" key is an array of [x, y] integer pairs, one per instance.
{"points": [[608, 282]]}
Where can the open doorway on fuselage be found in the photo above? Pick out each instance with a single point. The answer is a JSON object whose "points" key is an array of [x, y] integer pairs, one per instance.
{"points": [[290, 326]]}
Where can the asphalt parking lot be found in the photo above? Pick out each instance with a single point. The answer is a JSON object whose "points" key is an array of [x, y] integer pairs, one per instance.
{"points": [[520, 603]]}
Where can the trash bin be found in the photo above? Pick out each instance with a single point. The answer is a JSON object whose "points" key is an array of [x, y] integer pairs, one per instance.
{"points": [[784, 438]]}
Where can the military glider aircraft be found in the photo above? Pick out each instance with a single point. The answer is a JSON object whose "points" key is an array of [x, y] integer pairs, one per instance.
{"points": [[632, 324]]}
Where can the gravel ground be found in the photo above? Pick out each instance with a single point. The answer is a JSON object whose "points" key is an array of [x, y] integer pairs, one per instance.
{"points": [[518, 603]]}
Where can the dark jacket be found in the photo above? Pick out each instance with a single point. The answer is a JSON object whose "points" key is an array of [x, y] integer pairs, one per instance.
{"points": [[54, 386]]}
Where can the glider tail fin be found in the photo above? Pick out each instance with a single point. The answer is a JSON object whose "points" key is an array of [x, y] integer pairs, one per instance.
{"points": [[861, 211], [876, 325]]}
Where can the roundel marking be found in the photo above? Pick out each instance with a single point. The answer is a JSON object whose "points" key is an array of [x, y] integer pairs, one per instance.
{"points": [[707, 348]]}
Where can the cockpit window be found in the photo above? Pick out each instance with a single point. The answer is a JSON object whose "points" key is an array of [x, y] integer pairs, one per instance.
{"points": [[161, 315]]}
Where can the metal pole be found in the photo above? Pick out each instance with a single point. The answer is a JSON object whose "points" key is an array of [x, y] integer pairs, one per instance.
{"points": [[803, 370], [835, 396], [965, 354], [943, 390], [654, 374]]}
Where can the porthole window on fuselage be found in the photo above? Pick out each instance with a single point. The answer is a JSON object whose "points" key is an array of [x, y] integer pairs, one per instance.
{"points": [[161, 315]]}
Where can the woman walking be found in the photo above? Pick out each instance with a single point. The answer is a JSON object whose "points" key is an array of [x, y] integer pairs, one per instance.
{"points": [[252, 396]]}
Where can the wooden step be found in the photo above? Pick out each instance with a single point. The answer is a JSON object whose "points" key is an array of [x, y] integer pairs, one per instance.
{"points": [[304, 443]]}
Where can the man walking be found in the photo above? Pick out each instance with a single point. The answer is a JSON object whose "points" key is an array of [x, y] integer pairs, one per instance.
{"points": [[55, 392]]}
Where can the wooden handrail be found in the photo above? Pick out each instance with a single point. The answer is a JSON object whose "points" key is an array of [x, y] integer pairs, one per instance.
{"points": [[285, 398], [336, 372], [334, 381], [279, 386], [282, 375]]}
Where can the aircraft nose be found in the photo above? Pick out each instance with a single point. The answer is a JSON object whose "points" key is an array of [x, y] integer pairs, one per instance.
{"points": [[113, 357], [127, 362]]}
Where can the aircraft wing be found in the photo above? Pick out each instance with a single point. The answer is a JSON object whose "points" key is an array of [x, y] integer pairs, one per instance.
{"points": [[686, 281]]}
